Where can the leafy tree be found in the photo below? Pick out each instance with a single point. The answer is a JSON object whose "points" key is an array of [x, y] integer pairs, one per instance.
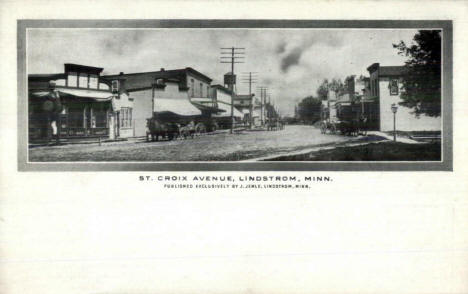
{"points": [[309, 109], [337, 86], [322, 90], [422, 82]]}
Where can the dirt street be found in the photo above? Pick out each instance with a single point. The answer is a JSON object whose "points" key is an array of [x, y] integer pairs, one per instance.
{"points": [[211, 147]]}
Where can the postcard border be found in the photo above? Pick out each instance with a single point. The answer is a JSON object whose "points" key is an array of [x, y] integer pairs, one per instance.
{"points": [[447, 91]]}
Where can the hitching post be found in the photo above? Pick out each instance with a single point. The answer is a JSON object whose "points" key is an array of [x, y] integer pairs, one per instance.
{"points": [[394, 110]]}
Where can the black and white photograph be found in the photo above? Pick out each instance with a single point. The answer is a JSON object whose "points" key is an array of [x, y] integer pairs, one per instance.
{"points": [[177, 94]]}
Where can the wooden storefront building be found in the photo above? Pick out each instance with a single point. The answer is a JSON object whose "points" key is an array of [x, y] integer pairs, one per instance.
{"points": [[76, 104]]}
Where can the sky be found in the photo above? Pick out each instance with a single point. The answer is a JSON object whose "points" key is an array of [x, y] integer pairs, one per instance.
{"points": [[290, 62]]}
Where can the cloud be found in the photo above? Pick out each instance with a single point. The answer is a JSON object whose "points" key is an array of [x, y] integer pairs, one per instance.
{"points": [[280, 47], [292, 58]]}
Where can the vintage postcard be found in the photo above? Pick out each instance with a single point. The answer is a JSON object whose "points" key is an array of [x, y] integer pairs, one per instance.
{"points": [[233, 147]]}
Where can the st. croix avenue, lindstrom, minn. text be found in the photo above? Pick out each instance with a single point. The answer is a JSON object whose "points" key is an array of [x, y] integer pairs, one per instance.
{"points": [[240, 178]]}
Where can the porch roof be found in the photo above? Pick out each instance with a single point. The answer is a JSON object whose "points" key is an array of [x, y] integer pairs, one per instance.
{"points": [[227, 110], [99, 96]]}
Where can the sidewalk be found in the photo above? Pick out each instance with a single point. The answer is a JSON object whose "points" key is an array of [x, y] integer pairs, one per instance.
{"points": [[390, 137]]}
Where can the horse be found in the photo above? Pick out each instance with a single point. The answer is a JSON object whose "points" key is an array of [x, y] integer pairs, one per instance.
{"points": [[187, 131]]}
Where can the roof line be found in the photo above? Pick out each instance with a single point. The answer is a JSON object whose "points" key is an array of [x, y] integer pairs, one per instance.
{"points": [[164, 71]]}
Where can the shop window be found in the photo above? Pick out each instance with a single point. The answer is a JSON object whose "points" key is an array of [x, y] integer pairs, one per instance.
{"points": [[83, 80], [75, 117], [72, 79], [100, 117], [393, 86], [126, 117]]}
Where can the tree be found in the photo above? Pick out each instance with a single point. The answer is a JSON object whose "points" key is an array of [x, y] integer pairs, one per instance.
{"points": [[322, 90], [309, 109], [422, 81], [337, 86]]}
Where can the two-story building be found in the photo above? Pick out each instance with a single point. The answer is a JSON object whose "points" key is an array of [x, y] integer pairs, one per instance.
{"points": [[78, 103], [163, 90], [385, 89]]}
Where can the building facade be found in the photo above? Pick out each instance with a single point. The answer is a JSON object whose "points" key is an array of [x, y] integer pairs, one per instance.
{"points": [[243, 103], [183, 84], [385, 88], [223, 98], [78, 103]]}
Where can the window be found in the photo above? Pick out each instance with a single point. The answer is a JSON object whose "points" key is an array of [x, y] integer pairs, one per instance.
{"points": [[72, 79], [208, 91], [126, 117], [75, 117], [100, 117], [201, 90], [115, 86], [192, 87], [93, 81], [393, 86], [83, 80]]}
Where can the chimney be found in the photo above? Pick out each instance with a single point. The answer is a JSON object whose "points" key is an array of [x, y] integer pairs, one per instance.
{"points": [[162, 68], [121, 73]]}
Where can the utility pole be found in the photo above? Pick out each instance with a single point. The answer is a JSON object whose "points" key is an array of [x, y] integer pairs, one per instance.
{"points": [[236, 57], [262, 103], [250, 80]]}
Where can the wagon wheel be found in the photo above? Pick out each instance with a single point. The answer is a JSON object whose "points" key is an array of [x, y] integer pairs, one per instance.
{"points": [[333, 128]]}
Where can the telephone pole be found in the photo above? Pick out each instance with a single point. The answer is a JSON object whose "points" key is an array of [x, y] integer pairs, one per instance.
{"points": [[250, 80], [263, 93], [236, 57]]}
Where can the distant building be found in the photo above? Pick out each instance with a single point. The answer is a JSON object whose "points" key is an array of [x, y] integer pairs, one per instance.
{"points": [[165, 90], [222, 96], [385, 90], [243, 103], [78, 103]]}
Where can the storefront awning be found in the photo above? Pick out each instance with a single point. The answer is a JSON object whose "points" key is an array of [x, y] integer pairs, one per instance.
{"points": [[227, 111], [177, 106], [99, 96]]}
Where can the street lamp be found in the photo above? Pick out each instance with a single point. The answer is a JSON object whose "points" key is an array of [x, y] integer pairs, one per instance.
{"points": [[394, 110]]}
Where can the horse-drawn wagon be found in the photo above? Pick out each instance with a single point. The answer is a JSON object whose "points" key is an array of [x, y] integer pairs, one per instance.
{"points": [[168, 125], [349, 120]]}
